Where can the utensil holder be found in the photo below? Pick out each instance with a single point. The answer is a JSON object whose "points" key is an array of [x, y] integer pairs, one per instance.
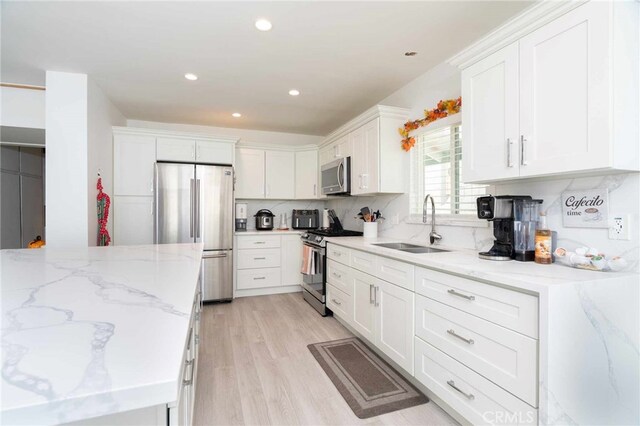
{"points": [[370, 230]]}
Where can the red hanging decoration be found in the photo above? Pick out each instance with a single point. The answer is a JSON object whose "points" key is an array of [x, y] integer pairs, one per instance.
{"points": [[104, 202]]}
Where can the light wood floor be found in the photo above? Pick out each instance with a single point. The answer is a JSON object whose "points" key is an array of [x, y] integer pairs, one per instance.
{"points": [[255, 368]]}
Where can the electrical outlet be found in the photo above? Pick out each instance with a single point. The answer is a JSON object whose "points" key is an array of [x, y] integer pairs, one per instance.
{"points": [[619, 228]]}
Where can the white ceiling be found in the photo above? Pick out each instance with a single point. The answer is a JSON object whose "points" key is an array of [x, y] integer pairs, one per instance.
{"points": [[343, 56]]}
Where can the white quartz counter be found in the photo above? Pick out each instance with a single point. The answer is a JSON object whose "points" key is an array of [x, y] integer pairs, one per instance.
{"points": [[528, 276], [93, 331], [273, 232]]}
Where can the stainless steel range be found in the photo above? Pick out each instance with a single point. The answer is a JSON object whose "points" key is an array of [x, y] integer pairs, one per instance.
{"points": [[314, 283]]}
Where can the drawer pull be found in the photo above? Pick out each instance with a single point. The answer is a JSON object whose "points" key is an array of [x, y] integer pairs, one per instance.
{"points": [[259, 258], [259, 278], [454, 334], [337, 253], [336, 302], [336, 275], [259, 242], [464, 296], [453, 385]]}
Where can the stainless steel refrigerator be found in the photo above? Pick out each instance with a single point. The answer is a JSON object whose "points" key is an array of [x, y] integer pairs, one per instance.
{"points": [[194, 203]]}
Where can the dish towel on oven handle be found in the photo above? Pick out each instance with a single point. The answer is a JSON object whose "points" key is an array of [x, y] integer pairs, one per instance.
{"points": [[308, 266]]}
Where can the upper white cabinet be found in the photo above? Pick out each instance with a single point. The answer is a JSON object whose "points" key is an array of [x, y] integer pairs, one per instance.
{"points": [[265, 173], [134, 157], [378, 163], [279, 174], [556, 101], [194, 150], [306, 177], [250, 173]]}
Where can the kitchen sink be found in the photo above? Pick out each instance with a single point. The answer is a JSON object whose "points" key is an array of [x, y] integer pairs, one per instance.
{"points": [[409, 248]]}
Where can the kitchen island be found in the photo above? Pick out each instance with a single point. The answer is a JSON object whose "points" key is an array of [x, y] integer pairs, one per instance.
{"points": [[99, 335]]}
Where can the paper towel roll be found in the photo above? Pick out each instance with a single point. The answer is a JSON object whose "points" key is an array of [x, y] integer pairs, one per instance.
{"points": [[325, 219]]}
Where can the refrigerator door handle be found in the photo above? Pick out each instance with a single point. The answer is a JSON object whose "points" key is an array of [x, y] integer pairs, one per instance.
{"points": [[191, 215], [198, 218]]}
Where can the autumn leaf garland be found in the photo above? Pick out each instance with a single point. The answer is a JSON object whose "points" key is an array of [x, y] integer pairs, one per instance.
{"points": [[444, 108]]}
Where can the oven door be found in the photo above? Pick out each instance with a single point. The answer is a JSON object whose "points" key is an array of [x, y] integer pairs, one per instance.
{"points": [[313, 281], [335, 177]]}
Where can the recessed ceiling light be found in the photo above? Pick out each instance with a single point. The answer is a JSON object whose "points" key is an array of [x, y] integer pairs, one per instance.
{"points": [[294, 92], [236, 115], [411, 53], [263, 25], [190, 76]]}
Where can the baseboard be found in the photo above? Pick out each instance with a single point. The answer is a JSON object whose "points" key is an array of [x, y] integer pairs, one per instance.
{"points": [[267, 291]]}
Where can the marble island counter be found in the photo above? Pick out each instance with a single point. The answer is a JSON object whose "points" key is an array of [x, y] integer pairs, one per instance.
{"points": [[94, 331]]}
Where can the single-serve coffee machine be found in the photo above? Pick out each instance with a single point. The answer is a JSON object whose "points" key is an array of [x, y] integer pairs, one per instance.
{"points": [[514, 220]]}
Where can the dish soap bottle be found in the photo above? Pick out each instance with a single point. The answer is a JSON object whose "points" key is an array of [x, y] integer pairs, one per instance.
{"points": [[543, 241]]}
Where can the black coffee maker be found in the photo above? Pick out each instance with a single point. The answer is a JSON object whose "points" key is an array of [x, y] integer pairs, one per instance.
{"points": [[499, 210]]}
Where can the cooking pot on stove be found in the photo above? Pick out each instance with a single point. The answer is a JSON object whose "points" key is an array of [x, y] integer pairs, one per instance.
{"points": [[264, 220]]}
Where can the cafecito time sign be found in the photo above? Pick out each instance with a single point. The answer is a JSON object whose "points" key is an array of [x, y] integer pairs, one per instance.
{"points": [[585, 209]]}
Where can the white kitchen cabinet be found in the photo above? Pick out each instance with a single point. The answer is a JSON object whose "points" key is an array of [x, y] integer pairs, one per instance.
{"points": [[490, 117], [557, 100], [214, 152], [134, 157], [395, 323], [176, 149], [365, 162], [326, 155], [132, 220], [306, 176], [291, 255], [364, 319], [279, 174], [250, 179]]}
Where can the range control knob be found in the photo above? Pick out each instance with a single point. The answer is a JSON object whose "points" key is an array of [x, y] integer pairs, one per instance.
{"points": [[318, 239], [305, 235]]}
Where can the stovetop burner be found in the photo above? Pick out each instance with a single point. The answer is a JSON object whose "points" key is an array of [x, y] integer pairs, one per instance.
{"points": [[328, 232]]}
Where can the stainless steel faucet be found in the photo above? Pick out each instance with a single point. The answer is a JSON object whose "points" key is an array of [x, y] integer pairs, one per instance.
{"points": [[433, 235]]}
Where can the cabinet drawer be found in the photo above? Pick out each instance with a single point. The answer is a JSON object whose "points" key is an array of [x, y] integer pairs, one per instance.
{"points": [[363, 261], [258, 241], [505, 357], [259, 258], [258, 278], [476, 398], [339, 302], [511, 309], [339, 276], [339, 254], [398, 273]]}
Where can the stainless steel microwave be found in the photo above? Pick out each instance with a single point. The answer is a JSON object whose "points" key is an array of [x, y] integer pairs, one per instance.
{"points": [[336, 177]]}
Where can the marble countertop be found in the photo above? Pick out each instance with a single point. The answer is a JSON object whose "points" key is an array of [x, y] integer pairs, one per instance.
{"points": [[93, 331], [274, 232], [527, 276]]}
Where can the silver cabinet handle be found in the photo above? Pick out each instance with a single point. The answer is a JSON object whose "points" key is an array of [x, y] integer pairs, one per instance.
{"points": [[454, 334], [315, 187], [336, 275], [365, 176], [191, 191], [523, 151], [371, 294], [259, 278], [190, 381], [336, 302], [259, 258], [259, 242], [509, 147], [376, 297], [337, 254], [453, 385], [464, 296]]}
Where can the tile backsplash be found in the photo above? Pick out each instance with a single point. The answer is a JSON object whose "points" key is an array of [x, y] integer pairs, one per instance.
{"points": [[624, 191]]}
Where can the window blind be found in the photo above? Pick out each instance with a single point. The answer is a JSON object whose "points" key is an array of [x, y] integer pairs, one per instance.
{"points": [[436, 169]]}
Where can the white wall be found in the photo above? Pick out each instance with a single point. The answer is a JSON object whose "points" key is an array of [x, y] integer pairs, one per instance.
{"points": [[66, 159], [102, 115], [443, 82], [258, 137], [22, 107]]}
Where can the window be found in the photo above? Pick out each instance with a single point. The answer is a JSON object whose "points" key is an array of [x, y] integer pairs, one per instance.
{"points": [[436, 169]]}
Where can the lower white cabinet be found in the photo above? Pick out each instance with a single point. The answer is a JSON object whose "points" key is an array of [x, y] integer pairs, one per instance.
{"points": [[339, 302], [394, 323], [364, 304], [132, 220], [267, 264], [475, 398]]}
